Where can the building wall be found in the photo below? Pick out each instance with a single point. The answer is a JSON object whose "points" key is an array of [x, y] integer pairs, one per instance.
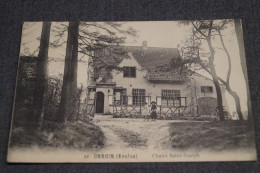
{"points": [[190, 89], [198, 80], [140, 82]]}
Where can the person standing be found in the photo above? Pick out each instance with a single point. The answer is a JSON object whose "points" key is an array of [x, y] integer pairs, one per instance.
{"points": [[153, 111]]}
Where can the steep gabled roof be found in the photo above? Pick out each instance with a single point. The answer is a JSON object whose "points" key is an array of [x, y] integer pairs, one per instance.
{"points": [[150, 58], [111, 56]]}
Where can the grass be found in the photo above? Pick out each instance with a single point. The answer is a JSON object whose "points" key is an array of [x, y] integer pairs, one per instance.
{"points": [[80, 135], [211, 135]]}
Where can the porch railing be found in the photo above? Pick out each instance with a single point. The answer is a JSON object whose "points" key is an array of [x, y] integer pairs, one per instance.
{"points": [[140, 106]]}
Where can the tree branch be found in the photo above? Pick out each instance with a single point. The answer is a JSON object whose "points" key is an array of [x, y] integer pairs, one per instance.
{"points": [[229, 58], [197, 29]]}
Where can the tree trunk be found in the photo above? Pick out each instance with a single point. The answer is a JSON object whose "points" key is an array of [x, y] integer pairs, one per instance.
{"points": [[237, 101], [69, 86], [74, 72], [219, 98], [239, 34], [41, 76], [215, 81], [231, 92]]}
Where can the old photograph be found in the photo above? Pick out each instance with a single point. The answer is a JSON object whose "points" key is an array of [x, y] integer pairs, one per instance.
{"points": [[143, 91]]}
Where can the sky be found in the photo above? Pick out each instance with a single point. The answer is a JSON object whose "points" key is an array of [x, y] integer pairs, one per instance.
{"points": [[168, 34]]}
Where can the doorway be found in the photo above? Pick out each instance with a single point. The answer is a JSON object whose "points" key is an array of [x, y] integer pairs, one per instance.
{"points": [[100, 102]]}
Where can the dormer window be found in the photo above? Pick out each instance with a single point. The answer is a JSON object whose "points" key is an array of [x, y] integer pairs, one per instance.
{"points": [[130, 72]]}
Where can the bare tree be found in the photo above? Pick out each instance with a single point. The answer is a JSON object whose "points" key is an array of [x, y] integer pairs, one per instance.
{"points": [[192, 49], [203, 30], [227, 82], [41, 75]]}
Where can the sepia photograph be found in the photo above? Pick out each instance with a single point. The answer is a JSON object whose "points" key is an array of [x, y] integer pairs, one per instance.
{"points": [[146, 91]]}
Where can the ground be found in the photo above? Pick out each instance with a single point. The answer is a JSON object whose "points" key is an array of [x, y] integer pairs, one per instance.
{"points": [[111, 134], [133, 133], [172, 134], [79, 135]]}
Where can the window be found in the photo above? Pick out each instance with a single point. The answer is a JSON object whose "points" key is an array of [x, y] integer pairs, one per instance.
{"points": [[206, 89], [171, 98], [138, 96], [130, 72]]}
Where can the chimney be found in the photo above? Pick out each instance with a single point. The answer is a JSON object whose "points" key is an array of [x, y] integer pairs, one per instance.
{"points": [[144, 44]]}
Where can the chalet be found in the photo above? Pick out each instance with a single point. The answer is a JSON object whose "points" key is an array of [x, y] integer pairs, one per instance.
{"points": [[127, 84]]}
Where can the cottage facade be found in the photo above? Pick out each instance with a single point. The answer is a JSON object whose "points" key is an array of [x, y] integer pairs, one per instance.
{"points": [[130, 89]]}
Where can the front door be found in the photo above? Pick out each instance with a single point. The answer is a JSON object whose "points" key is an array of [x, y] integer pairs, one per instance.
{"points": [[100, 102]]}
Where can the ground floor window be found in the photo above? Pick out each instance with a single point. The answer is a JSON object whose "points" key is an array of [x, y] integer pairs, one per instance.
{"points": [[171, 98], [138, 96]]}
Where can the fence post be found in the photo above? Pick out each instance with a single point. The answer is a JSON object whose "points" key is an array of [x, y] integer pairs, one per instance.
{"points": [[121, 108], [94, 105], [113, 105], [179, 111], [140, 110]]}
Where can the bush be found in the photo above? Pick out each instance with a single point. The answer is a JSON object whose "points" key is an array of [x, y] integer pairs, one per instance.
{"points": [[52, 97]]}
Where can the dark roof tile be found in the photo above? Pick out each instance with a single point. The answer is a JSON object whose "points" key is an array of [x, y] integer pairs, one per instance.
{"points": [[150, 58]]}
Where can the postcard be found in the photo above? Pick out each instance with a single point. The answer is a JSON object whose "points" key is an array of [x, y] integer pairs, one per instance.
{"points": [[144, 91]]}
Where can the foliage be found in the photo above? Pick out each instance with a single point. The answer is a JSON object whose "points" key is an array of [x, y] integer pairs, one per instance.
{"points": [[52, 98], [94, 37], [25, 87]]}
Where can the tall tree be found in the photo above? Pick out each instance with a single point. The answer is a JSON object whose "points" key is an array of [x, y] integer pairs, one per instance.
{"points": [[239, 34], [67, 109], [85, 38], [192, 52], [227, 82], [203, 30], [97, 36], [41, 75]]}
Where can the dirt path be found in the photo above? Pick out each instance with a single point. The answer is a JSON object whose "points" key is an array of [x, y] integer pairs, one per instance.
{"points": [[133, 133]]}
